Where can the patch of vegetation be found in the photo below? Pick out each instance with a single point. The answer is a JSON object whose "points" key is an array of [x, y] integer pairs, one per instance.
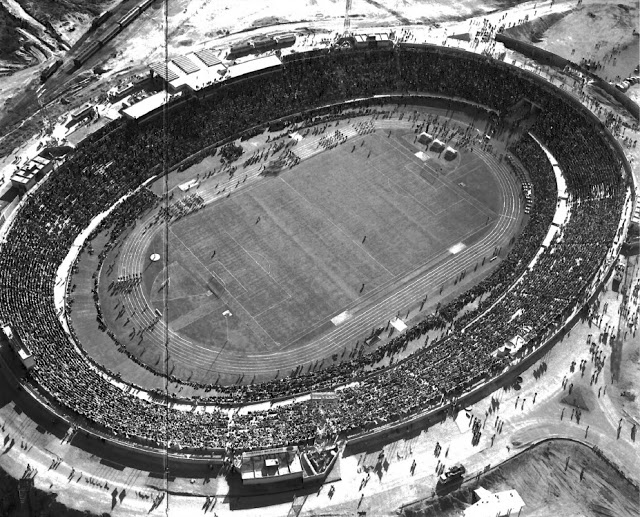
{"points": [[269, 20], [57, 10], [9, 38]]}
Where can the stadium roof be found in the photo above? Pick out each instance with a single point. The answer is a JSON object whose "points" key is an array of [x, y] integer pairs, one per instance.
{"points": [[146, 105], [201, 79], [208, 57], [164, 70], [254, 65], [185, 64]]}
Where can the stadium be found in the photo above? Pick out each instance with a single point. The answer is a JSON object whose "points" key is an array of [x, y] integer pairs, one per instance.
{"points": [[328, 251]]}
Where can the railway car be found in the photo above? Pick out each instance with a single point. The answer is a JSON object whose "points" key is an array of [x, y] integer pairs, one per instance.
{"points": [[50, 70], [109, 34], [129, 17], [263, 44], [285, 40], [241, 50], [100, 19], [86, 53]]}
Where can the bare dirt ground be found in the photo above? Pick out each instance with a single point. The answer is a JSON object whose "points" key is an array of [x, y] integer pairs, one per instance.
{"points": [[559, 477], [601, 32], [37, 29], [625, 367]]}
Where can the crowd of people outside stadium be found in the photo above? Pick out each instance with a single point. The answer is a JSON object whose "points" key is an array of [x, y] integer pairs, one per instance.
{"points": [[119, 157]]}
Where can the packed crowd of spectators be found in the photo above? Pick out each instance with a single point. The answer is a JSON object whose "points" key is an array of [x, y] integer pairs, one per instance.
{"points": [[181, 208], [117, 158]]}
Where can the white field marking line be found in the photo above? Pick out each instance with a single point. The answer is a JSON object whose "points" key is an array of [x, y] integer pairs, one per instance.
{"points": [[466, 173], [398, 189], [213, 274], [258, 263], [231, 274], [267, 271], [274, 306], [330, 221], [233, 297], [229, 293]]}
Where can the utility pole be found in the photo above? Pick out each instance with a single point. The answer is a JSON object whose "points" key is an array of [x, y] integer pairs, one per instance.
{"points": [[347, 20]]}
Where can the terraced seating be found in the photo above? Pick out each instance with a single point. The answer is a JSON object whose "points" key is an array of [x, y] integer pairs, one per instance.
{"points": [[119, 157]]}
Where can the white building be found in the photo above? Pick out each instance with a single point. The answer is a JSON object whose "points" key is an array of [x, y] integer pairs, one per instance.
{"points": [[507, 503]]}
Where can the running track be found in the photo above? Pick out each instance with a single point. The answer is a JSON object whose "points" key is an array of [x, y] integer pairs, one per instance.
{"points": [[191, 355]]}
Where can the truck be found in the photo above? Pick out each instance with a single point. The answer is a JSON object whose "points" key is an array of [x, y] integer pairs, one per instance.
{"points": [[451, 475]]}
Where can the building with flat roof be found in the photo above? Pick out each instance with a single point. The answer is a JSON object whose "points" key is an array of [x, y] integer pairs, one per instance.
{"points": [[372, 40], [191, 72], [147, 106], [498, 504], [271, 466], [30, 173], [251, 66]]}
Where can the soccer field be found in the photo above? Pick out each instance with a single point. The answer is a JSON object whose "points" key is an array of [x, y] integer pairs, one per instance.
{"points": [[344, 228]]}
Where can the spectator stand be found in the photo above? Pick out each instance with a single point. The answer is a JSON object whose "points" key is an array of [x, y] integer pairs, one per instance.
{"points": [[451, 367]]}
